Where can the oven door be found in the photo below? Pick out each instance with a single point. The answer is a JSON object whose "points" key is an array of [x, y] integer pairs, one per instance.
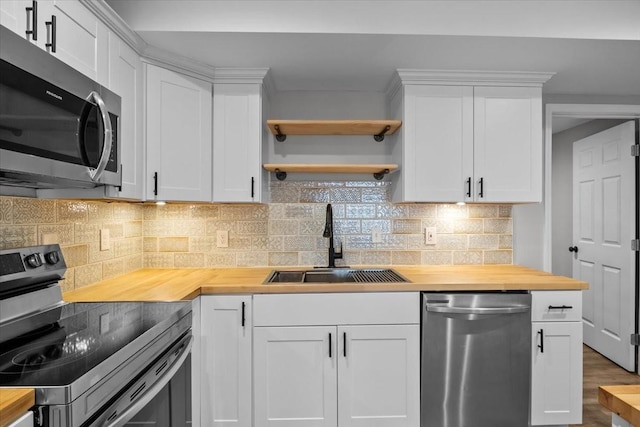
{"points": [[160, 397]]}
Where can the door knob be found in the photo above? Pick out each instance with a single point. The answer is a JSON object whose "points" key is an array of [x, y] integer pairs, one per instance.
{"points": [[573, 249]]}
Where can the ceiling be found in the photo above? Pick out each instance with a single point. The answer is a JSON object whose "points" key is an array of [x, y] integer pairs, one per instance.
{"points": [[593, 46]]}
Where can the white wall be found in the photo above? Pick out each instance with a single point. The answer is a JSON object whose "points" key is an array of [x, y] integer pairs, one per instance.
{"points": [[562, 191]]}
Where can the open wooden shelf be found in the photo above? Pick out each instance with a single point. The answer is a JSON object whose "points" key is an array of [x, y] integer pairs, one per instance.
{"points": [[376, 128], [378, 170]]}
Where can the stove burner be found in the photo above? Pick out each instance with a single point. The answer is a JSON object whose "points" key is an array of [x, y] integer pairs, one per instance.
{"points": [[56, 354]]}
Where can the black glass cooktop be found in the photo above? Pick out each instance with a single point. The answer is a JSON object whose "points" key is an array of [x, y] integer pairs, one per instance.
{"points": [[60, 345]]}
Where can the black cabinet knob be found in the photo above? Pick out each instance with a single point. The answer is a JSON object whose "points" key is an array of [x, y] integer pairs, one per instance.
{"points": [[573, 249]]}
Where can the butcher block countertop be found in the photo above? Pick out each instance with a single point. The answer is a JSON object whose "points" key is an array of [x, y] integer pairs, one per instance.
{"points": [[14, 403], [185, 284], [623, 400]]}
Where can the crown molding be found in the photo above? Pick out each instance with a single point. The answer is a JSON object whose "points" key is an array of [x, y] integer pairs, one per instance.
{"points": [[181, 64], [116, 24], [470, 77], [240, 75]]}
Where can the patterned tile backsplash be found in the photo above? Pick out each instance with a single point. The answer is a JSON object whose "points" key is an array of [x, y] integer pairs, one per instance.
{"points": [[286, 232]]}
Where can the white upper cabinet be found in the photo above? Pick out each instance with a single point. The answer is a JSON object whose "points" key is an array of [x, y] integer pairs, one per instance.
{"points": [[237, 143], [438, 142], [507, 149], [178, 113], [468, 141], [126, 80], [64, 28]]}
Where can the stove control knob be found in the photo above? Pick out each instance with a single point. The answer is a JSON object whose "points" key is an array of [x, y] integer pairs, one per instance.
{"points": [[52, 257], [33, 260]]}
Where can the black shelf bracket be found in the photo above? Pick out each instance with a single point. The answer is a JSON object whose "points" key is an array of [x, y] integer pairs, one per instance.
{"points": [[280, 137], [380, 175], [280, 175], [380, 137]]}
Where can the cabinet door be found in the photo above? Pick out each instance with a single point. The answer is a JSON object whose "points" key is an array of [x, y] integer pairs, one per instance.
{"points": [[507, 144], [24, 421], [226, 361], [237, 142], [178, 136], [14, 16], [438, 136], [81, 39], [379, 376], [125, 79], [295, 376], [556, 373]]}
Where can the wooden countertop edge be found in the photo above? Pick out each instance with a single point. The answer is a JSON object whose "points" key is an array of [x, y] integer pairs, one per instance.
{"points": [[14, 403], [186, 284], [623, 400]]}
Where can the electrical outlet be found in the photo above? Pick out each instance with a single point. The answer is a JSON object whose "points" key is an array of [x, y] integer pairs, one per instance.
{"points": [[222, 238], [429, 235], [376, 235], [105, 240]]}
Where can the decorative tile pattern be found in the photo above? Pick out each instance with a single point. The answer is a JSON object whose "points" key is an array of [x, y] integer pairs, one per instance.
{"points": [[286, 232], [498, 257], [64, 232], [33, 211]]}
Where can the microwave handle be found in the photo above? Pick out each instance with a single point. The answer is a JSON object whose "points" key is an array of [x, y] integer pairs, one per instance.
{"points": [[96, 173]]}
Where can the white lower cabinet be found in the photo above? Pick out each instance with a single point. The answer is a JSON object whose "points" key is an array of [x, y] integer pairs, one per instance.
{"points": [[556, 364], [311, 368], [24, 421], [225, 377]]}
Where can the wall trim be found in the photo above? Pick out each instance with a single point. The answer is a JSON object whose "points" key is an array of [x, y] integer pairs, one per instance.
{"points": [[472, 77], [587, 111]]}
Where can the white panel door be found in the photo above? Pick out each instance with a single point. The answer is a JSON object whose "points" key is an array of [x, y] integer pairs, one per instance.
{"points": [[379, 376], [125, 79], [178, 136], [507, 144], [603, 227], [438, 156], [237, 142], [556, 380], [226, 361], [295, 373]]}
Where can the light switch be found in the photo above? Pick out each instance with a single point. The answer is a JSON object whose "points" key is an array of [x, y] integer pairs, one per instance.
{"points": [[105, 241]]}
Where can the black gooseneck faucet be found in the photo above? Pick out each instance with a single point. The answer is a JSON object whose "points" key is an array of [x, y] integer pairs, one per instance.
{"points": [[328, 232]]}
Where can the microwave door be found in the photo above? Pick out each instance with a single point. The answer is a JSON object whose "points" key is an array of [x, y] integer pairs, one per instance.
{"points": [[95, 136]]}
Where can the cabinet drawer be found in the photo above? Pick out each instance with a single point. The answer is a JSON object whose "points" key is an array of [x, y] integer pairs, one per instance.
{"points": [[336, 309], [547, 306]]}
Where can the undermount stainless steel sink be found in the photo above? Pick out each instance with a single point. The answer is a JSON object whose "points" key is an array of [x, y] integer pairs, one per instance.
{"points": [[336, 275]]}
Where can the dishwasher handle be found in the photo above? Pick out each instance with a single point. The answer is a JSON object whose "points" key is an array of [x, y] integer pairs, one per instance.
{"points": [[513, 309]]}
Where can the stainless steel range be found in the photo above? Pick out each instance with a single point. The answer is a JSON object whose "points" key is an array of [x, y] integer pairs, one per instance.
{"points": [[91, 364]]}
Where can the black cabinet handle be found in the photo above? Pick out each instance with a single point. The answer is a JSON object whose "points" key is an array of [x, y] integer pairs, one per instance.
{"points": [[243, 313], [541, 345], [330, 351], [481, 193], [344, 344], [52, 24], [34, 20], [469, 187], [155, 183], [573, 249], [253, 182], [560, 307]]}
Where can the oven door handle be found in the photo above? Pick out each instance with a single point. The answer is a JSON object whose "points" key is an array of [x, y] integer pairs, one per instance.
{"points": [[107, 141], [147, 397]]}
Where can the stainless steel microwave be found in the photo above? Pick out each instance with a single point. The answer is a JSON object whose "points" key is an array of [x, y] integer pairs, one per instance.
{"points": [[58, 128]]}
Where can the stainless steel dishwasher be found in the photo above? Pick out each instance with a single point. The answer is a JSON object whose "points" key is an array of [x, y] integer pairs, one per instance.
{"points": [[476, 358]]}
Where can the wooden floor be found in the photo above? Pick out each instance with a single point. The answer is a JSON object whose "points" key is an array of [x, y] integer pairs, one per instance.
{"points": [[598, 370]]}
